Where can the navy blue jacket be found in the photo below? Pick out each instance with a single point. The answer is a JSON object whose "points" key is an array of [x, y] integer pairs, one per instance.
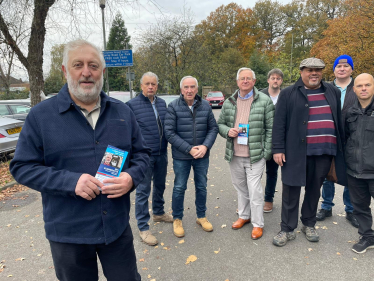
{"points": [[57, 145], [152, 131], [290, 128], [185, 129]]}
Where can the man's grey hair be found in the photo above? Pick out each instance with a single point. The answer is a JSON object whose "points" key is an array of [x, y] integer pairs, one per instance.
{"points": [[73, 45], [245, 68], [149, 74], [185, 77], [275, 71]]}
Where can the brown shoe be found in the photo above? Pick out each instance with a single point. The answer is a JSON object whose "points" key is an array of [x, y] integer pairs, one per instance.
{"points": [[257, 233], [240, 223], [268, 207]]}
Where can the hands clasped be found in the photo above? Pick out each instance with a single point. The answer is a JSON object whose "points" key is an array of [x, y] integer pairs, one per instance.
{"points": [[198, 151]]}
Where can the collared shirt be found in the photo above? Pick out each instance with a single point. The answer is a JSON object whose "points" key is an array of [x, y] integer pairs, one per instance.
{"points": [[93, 115], [191, 106], [154, 106], [343, 92], [247, 96]]}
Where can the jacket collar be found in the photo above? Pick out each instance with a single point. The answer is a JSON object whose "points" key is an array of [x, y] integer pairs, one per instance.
{"points": [[144, 98], [65, 102], [368, 110]]}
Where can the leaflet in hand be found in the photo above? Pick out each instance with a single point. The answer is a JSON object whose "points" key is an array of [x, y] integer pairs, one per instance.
{"points": [[243, 134], [112, 163]]}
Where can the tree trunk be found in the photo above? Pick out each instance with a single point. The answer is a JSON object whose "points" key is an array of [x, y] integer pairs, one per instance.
{"points": [[36, 46]]}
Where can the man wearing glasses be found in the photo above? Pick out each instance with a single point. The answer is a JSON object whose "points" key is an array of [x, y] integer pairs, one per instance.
{"points": [[247, 154], [275, 80]]}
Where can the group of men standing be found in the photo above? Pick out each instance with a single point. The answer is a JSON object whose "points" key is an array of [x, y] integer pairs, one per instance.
{"points": [[64, 139]]}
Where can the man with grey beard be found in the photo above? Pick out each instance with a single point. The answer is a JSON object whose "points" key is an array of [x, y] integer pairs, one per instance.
{"points": [[59, 151]]}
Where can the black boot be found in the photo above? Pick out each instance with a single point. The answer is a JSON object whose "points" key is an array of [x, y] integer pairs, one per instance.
{"points": [[322, 214], [349, 216]]}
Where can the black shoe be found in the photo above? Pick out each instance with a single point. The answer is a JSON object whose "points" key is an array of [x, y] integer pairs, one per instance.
{"points": [[322, 214], [349, 216], [363, 244]]}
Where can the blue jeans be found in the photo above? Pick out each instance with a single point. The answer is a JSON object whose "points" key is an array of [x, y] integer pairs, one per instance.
{"points": [[157, 169], [271, 179], [328, 192], [182, 170]]}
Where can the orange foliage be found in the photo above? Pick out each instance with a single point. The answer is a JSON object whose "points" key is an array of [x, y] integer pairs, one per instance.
{"points": [[352, 35]]}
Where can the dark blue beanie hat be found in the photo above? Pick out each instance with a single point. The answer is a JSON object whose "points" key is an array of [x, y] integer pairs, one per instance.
{"points": [[343, 59]]}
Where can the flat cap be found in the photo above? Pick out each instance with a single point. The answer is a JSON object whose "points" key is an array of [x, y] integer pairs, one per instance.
{"points": [[312, 63]]}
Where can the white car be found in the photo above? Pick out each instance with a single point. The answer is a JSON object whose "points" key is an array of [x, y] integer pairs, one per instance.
{"points": [[9, 133]]}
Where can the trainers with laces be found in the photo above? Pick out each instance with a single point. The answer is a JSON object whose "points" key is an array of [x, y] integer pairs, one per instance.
{"points": [[282, 237], [178, 228], [310, 233], [350, 217], [364, 244], [205, 224], [148, 238], [163, 218]]}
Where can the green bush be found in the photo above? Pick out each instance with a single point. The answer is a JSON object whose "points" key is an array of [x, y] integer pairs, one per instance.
{"points": [[15, 95]]}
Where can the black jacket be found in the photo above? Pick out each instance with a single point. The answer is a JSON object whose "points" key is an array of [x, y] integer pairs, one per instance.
{"points": [[151, 128], [185, 129], [359, 134], [349, 100], [290, 129]]}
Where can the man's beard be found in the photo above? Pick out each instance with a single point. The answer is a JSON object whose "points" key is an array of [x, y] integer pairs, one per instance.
{"points": [[86, 96]]}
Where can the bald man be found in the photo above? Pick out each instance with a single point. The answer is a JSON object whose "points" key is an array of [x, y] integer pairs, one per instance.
{"points": [[359, 152]]}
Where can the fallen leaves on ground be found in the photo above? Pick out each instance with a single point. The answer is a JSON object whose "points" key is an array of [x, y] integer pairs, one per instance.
{"points": [[216, 252], [9, 192], [141, 260], [20, 259], [181, 242], [191, 258], [310, 249], [334, 222], [223, 226]]}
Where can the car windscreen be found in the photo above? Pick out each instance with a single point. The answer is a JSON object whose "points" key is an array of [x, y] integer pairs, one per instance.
{"points": [[215, 95]]}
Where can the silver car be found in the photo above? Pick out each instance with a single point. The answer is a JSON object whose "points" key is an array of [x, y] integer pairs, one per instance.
{"points": [[17, 109], [9, 133]]}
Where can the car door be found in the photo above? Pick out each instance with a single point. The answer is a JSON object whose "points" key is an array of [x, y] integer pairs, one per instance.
{"points": [[5, 111], [19, 111]]}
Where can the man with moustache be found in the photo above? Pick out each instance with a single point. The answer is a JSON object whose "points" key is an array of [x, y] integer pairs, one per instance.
{"points": [[59, 151], [191, 129], [359, 152], [150, 113], [307, 137], [275, 80], [343, 68]]}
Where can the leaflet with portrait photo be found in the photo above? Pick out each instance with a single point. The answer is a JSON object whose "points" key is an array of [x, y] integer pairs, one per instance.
{"points": [[112, 163], [243, 134]]}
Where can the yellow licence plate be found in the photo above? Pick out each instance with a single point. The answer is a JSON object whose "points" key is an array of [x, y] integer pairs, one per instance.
{"points": [[14, 130]]}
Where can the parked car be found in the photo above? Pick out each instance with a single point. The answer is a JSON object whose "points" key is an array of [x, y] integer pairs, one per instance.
{"points": [[16, 109], [51, 95], [9, 133], [122, 96], [168, 98], [215, 99]]}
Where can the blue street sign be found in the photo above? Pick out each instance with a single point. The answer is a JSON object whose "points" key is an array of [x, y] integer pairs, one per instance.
{"points": [[118, 58]]}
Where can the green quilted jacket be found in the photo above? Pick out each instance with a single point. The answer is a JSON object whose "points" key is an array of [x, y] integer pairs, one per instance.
{"points": [[260, 125]]}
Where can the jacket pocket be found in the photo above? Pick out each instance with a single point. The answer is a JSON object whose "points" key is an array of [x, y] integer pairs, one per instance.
{"points": [[352, 125]]}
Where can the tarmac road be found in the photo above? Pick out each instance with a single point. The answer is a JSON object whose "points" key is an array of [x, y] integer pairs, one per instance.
{"points": [[223, 254]]}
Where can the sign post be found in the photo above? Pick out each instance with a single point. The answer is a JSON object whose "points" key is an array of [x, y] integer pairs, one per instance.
{"points": [[120, 58]]}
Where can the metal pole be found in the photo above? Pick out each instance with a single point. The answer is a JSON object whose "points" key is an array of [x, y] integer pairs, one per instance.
{"points": [[129, 72], [291, 60], [102, 6]]}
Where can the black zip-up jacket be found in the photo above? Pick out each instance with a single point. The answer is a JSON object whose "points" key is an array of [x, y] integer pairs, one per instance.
{"points": [[359, 134], [185, 129]]}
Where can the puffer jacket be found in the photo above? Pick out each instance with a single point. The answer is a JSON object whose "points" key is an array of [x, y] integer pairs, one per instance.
{"points": [[359, 134], [260, 130], [185, 129], [152, 131]]}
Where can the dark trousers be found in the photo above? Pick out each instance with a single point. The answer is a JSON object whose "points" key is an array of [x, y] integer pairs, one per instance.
{"points": [[361, 191], [317, 168], [271, 179], [78, 262]]}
